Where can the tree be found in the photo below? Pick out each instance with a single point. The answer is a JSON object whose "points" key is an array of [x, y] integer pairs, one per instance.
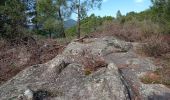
{"points": [[48, 10], [161, 8], [45, 10], [63, 12], [89, 24], [13, 19], [2, 2], [161, 12], [120, 18], [80, 7], [118, 14], [92, 22], [52, 25]]}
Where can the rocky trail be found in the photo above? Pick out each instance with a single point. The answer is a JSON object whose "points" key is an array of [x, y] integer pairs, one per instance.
{"points": [[92, 69]]}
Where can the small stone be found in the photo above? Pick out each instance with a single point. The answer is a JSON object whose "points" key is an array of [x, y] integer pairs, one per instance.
{"points": [[28, 94]]}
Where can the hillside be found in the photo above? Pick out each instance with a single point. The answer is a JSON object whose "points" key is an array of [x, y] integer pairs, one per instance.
{"points": [[91, 69], [56, 50], [69, 23]]}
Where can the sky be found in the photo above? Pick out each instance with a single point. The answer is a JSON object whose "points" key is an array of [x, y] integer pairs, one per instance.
{"points": [[110, 7]]}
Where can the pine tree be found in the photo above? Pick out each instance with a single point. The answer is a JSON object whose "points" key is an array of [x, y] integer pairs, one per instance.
{"points": [[13, 19], [118, 14], [80, 7], [56, 10]]}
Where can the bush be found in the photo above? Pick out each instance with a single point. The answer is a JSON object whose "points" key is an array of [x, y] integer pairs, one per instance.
{"points": [[13, 20], [155, 46], [135, 30], [149, 28], [71, 32], [131, 30]]}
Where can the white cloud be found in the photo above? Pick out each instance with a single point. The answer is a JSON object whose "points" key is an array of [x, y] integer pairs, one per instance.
{"points": [[139, 1]]}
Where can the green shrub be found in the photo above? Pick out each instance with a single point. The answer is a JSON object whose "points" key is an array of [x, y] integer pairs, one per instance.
{"points": [[13, 19], [71, 32]]}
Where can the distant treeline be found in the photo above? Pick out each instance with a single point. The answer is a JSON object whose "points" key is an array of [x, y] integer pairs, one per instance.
{"points": [[89, 24], [157, 16], [158, 13], [47, 17]]}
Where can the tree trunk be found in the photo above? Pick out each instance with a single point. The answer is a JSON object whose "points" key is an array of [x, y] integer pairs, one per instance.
{"points": [[36, 22], [36, 15], [50, 34], [62, 21], [62, 31], [78, 21]]}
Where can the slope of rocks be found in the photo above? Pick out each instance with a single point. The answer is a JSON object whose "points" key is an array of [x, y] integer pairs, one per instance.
{"points": [[93, 69]]}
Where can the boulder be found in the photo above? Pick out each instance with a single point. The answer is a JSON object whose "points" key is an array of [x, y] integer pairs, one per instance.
{"points": [[66, 78], [67, 82], [63, 78]]}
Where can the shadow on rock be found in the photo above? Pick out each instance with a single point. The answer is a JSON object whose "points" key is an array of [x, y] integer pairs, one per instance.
{"points": [[165, 96]]}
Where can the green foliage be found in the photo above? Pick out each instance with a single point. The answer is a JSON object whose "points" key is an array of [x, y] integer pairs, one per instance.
{"points": [[71, 32], [89, 24], [2, 2], [13, 19], [53, 26], [92, 23], [118, 14], [159, 14], [51, 14], [80, 7], [120, 17], [45, 9], [84, 6]]}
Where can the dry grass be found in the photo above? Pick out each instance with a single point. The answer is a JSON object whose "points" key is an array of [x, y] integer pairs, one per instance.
{"points": [[128, 32], [155, 78], [90, 62], [15, 58], [145, 31], [93, 64], [132, 31], [151, 77], [161, 75], [155, 46]]}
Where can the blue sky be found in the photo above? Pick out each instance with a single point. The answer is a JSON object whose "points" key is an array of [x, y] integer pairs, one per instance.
{"points": [[110, 7]]}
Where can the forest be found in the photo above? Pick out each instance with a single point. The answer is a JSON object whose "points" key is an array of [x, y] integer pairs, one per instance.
{"points": [[45, 17]]}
